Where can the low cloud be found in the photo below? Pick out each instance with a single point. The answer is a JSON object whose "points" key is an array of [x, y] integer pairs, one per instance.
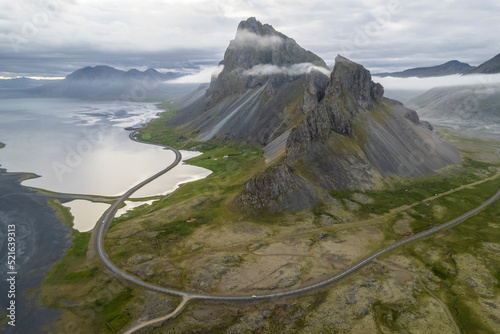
{"points": [[295, 69], [445, 81], [247, 37], [203, 76]]}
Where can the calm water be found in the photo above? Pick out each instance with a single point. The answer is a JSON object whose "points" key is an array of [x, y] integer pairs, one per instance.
{"points": [[81, 147]]}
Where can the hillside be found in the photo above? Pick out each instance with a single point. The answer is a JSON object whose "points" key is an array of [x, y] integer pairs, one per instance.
{"points": [[448, 68], [472, 108], [352, 139], [488, 67]]}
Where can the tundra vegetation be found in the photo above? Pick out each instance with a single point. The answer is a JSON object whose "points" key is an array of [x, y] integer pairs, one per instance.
{"points": [[194, 240]]}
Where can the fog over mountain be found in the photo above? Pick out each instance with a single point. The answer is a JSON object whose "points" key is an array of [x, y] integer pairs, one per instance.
{"points": [[54, 38], [101, 82], [321, 132]]}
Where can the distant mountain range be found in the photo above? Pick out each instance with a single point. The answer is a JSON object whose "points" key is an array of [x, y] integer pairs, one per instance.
{"points": [[98, 82], [449, 68], [108, 82], [321, 131], [471, 108], [21, 83]]}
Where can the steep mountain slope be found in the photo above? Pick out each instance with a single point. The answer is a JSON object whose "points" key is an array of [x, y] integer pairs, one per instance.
{"points": [[474, 108], [352, 139], [107, 82], [489, 67], [448, 68], [267, 84]]}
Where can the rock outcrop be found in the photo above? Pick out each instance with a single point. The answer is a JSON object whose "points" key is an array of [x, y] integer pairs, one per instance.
{"points": [[321, 132], [352, 139]]}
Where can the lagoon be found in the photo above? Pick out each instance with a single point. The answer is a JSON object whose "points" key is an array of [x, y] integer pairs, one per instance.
{"points": [[82, 147]]}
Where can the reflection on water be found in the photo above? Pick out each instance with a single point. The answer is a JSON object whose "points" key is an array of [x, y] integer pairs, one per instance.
{"points": [[130, 205], [85, 213], [170, 181], [81, 146]]}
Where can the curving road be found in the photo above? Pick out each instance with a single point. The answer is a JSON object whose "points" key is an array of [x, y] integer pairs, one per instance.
{"points": [[110, 213]]}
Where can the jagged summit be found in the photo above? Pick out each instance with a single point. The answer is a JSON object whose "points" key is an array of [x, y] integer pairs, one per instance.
{"points": [[321, 132], [267, 84], [258, 52], [352, 139], [353, 78], [256, 27]]}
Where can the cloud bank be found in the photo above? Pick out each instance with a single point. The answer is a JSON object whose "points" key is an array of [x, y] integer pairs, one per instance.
{"points": [[205, 75], [55, 37], [247, 37], [295, 69], [422, 84]]}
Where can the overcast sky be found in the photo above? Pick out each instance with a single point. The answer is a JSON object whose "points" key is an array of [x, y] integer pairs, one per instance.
{"points": [[55, 37]]}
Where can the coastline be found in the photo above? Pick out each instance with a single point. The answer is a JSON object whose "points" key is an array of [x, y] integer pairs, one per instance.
{"points": [[41, 240]]}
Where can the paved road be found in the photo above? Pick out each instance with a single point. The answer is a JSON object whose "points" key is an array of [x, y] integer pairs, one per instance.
{"points": [[104, 224]]}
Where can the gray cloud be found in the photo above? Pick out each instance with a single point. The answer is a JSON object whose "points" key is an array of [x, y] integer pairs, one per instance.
{"points": [[54, 37]]}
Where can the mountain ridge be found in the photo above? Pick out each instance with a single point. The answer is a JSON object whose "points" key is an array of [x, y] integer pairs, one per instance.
{"points": [[268, 83], [353, 139], [448, 68], [325, 132], [490, 66], [100, 82]]}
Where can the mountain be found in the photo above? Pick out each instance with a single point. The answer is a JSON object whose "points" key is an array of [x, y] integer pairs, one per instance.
{"points": [[352, 139], [489, 67], [321, 131], [21, 83], [473, 108], [267, 85], [107, 82], [449, 68]]}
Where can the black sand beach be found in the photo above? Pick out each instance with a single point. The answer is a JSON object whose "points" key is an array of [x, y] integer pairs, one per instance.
{"points": [[40, 240]]}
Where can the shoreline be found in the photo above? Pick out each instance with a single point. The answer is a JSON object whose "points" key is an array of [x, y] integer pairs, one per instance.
{"points": [[44, 239]]}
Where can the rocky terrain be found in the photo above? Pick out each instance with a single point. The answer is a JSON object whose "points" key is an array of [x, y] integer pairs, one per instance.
{"points": [[321, 131], [267, 84], [352, 139]]}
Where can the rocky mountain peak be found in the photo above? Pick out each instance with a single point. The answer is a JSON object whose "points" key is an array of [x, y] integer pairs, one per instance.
{"points": [[254, 26], [258, 55], [351, 79]]}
